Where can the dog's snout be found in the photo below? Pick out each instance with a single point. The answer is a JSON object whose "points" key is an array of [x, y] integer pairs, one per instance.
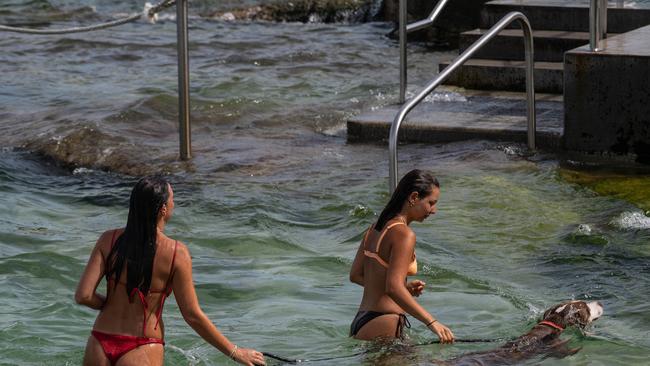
{"points": [[595, 310]]}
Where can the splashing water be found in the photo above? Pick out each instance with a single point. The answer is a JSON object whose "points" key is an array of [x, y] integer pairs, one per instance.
{"points": [[636, 220]]}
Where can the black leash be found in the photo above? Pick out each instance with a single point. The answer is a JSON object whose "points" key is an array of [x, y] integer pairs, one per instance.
{"points": [[468, 340], [298, 360], [294, 361]]}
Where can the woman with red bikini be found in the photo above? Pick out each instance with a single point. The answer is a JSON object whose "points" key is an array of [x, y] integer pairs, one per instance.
{"points": [[386, 257], [143, 267]]}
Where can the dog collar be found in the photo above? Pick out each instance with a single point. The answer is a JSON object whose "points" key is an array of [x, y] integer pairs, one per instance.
{"points": [[551, 324]]}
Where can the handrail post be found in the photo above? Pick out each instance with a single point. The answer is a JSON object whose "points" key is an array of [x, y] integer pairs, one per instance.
{"points": [[530, 82], [404, 30], [597, 24], [445, 73], [402, 51], [183, 80]]}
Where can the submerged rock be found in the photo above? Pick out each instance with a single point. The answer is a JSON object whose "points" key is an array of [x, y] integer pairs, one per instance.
{"points": [[306, 11], [586, 234], [632, 188], [87, 147]]}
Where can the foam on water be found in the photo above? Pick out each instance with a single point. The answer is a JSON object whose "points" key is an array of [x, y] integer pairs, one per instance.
{"points": [[631, 220], [82, 170], [438, 96]]}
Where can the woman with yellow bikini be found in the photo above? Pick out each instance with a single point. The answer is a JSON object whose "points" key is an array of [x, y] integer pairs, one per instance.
{"points": [[386, 257]]}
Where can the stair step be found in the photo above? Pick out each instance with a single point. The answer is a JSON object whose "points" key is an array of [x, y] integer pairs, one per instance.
{"points": [[550, 45], [567, 15], [488, 74], [495, 116]]}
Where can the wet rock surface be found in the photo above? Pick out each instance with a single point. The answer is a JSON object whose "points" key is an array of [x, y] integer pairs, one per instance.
{"points": [[306, 11], [91, 148]]}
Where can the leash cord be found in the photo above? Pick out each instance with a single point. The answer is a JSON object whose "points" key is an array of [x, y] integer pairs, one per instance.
{"points": [[298, 360]]}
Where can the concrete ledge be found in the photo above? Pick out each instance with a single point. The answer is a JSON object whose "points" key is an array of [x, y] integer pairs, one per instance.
{"points": [[477, 118], [607, 97], [509, 44]]}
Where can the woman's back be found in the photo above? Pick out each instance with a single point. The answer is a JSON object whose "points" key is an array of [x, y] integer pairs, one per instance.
{"points": [[129, 329], [137, 313], [377, 249]]}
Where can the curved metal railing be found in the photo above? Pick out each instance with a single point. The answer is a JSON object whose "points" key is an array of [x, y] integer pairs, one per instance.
{"points": [[460, 60], [403, 31]]}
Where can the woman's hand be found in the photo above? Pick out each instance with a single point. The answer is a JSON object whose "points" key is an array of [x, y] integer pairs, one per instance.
{"points": [[248, 357], [444, 333], [415, 287]]}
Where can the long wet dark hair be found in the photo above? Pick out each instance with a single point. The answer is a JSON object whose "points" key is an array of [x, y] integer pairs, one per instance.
{"points": [[416, 180], [136, 247]]}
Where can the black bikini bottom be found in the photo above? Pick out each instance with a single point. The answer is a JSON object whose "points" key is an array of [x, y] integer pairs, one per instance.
{"points": [[364, 317]]}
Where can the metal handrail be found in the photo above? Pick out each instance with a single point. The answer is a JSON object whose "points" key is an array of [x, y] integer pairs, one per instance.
{"points": [[460, 60], [597, 24], [404, 29], [150, 12], [184, 128]]}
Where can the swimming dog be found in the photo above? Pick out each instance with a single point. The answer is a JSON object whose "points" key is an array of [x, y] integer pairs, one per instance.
{"points": [[542, 340]]}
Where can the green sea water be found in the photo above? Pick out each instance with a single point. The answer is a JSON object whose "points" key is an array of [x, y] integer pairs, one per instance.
{"points": [[271, 255], [275, 201]]}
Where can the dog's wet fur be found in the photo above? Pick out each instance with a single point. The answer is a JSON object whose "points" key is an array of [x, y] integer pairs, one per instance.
{"points": [[542, 340]]}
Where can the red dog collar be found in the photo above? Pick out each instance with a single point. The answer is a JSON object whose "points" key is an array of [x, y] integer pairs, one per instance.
{"points": [[551, 324]]}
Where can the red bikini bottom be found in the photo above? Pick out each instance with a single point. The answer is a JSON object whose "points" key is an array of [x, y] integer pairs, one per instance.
{"points": [[117, 345]]}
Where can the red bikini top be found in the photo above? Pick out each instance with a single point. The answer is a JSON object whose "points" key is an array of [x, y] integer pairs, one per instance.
{"points": [[143, 300]]}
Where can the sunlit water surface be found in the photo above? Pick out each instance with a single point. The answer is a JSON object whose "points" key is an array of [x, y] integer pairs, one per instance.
{"points": [[274, 204]]}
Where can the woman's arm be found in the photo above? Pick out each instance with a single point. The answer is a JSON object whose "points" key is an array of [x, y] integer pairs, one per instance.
{"points": [[401, 255], [86, 290], [356, 271], [185, 294]]}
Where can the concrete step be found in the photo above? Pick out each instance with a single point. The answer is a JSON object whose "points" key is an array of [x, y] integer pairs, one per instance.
{"points": [[572, 15], [550, 45], [494, 116], [486, 74]]}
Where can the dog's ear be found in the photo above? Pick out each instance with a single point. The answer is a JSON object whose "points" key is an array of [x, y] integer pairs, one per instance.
{"points": [[555, 312], [577, 314]]}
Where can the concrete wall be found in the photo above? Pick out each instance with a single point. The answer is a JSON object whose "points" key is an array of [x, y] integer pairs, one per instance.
{"points": [[607, 97], [458, 16]]}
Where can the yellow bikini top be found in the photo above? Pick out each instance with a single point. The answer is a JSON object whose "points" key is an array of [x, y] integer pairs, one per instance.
{"points": [[413, 267]]}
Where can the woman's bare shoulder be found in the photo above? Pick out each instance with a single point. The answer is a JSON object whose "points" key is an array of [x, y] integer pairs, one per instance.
{"points": [[402, 233], [105, 241], [403, 230], [182, 252], [108, 234]]}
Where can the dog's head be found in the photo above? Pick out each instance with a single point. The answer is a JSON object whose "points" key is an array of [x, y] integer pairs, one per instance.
{"points": [[574, 313]]}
